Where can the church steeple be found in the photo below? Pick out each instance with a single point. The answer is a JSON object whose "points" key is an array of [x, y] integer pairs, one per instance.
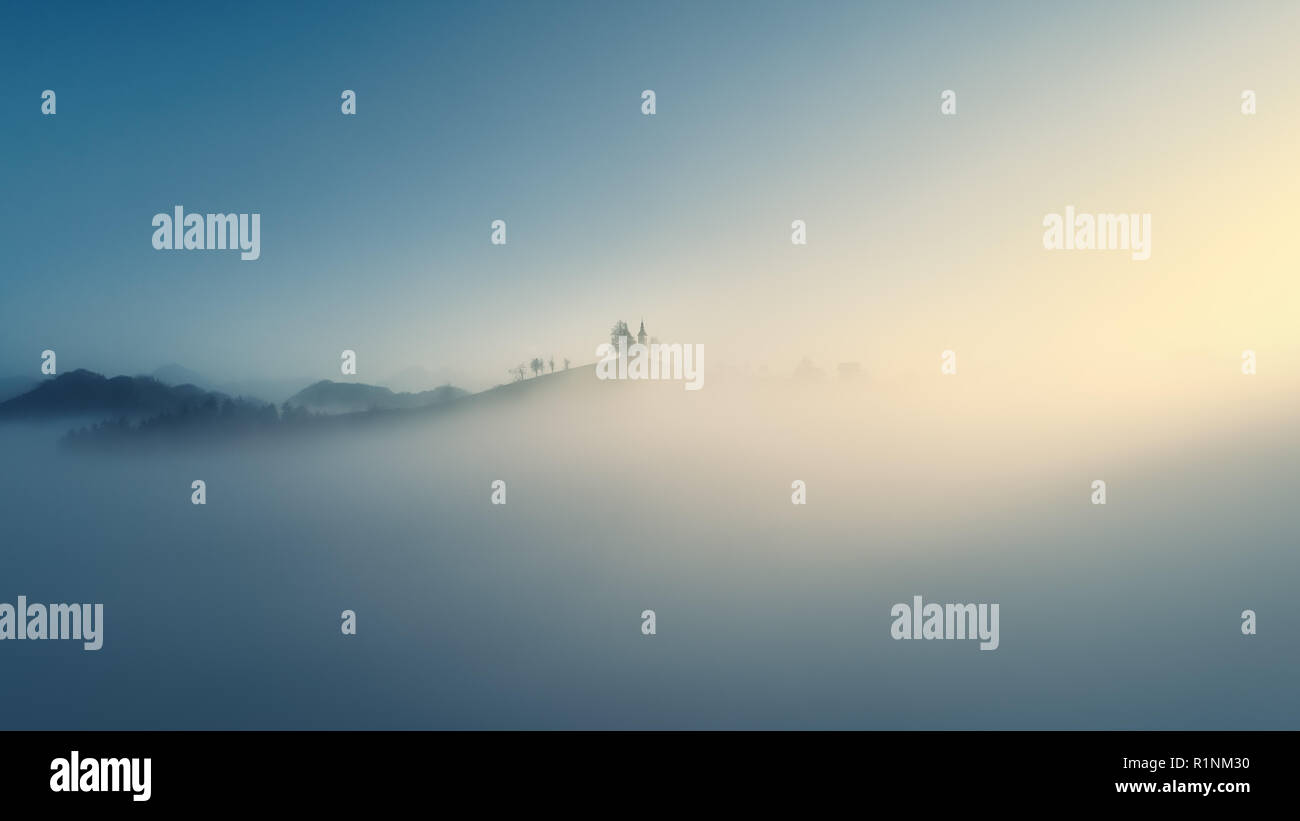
{"points": [[640, 335]]}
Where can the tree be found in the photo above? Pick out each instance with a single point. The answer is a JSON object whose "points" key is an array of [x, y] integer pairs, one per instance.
{"points": [[536, 365], [620, 329], [519, 372], [552, 364], [566, 364]]}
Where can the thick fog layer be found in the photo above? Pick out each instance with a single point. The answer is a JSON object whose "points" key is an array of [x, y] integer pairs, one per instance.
{"points": [[625, 496]]}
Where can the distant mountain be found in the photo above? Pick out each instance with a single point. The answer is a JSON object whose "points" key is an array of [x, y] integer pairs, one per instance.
{"points": [[419, 378], [82, 392], [324, 407], [351, 397], [266, 390], [413, 380], [11, 386], [174, 374], [270, 390]]}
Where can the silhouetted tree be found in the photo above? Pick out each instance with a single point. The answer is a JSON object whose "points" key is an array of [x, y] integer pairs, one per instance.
{"points": [[566, 364], [620, 329], [537, 365]]}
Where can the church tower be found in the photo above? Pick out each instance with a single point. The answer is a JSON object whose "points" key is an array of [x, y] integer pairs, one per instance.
{"points": [[640, 335]]}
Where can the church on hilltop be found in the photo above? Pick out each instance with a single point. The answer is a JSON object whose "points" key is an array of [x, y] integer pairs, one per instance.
{"points": [[621, 329]]}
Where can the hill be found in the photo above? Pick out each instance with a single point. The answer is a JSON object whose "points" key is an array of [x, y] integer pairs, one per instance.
{"points": [[353, 397], [11, 386], [331, 407], [174, 374], [83, 392]]}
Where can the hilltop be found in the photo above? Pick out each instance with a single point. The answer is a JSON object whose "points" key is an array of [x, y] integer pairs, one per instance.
{"points": [[136, 409], [353, 397], [83, 392]]}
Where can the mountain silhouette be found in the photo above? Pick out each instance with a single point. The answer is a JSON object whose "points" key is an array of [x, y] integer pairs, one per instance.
{"points": [[83, 392], [174, 374], [11, 386], [331, 397], [142, 412], [418, 378]]}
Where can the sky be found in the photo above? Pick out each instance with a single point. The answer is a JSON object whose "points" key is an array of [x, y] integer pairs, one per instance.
{"points": [[924, 236], [924, 230]]}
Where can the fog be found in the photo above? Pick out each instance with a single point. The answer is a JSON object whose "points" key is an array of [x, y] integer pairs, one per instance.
{"points": [[626, 496]]}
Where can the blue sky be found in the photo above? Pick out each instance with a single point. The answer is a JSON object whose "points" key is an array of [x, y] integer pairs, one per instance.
{"points": [[375, 227]]}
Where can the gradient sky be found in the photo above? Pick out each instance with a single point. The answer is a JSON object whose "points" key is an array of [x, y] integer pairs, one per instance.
{"points": [[925, 234], [924, 231]]}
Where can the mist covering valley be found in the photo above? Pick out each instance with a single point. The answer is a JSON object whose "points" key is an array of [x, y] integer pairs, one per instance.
{"points": [[626, 496]]}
